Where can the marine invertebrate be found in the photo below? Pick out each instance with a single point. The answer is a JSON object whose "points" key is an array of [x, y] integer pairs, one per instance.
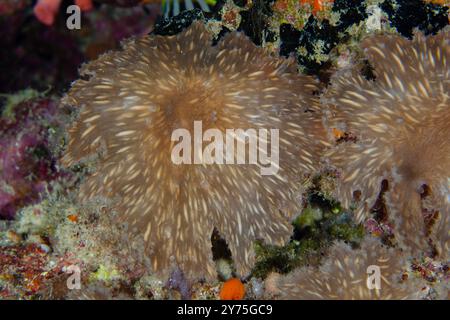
{"points": [[232, 289], [135, 98], [441, 237], [46, 10], [400, 121], [344, 276]]}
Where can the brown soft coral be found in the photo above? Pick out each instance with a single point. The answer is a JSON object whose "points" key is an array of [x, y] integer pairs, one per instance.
{"points": [[401, 121], [133, 100], [441, 237], [344, 276]]}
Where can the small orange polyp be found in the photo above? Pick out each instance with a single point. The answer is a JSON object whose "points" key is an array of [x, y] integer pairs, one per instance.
{"points": [[338, 134], [73, 217], [317, 5], [232, 289]]}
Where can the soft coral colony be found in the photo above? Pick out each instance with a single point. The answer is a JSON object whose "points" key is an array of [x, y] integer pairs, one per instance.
{"points": [[343, 275], [131, 100], [400, 120]]}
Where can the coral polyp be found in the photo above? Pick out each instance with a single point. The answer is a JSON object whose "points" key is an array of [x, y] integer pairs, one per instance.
{"points": [[132, 100], [400, 121]]}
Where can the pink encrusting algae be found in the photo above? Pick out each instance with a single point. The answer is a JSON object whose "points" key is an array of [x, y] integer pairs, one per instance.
{"points": [[27, 163]]}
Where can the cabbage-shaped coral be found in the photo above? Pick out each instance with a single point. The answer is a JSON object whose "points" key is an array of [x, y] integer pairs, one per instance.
{"points": [[132, 100], [401, 121], [344, 275]]}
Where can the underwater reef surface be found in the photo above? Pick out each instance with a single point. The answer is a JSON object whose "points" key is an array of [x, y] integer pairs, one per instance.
{"points": [[29, 131], [360, 88]]}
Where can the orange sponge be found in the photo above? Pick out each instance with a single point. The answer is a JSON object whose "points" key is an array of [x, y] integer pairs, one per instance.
{"points": [[232, 289]]}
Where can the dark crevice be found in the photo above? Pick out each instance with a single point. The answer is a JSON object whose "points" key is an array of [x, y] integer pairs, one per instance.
{"points": [[219, 247]]}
